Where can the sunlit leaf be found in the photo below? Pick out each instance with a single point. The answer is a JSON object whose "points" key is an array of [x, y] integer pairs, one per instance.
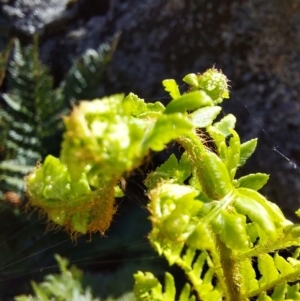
{"points": [[247, 150], [226, 124], [204, 117], [253, 181], [171, 87], [189, 101]]}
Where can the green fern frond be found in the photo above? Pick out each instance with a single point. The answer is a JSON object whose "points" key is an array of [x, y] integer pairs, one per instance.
{"points": [[28, 105], [84, 77], [148, 288], [66, 286], [61, 287]]}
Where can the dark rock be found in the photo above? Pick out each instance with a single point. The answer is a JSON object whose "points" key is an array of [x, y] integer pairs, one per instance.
{"points": [[28, 17]]}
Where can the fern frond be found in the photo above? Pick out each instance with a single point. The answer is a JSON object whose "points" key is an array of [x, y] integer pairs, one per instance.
{"points": [[84, 77], [64, 286], [147, 287], [29, 104]]}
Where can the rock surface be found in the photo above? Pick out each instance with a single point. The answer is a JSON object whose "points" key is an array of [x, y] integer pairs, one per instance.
{"points": [[254, 42]]}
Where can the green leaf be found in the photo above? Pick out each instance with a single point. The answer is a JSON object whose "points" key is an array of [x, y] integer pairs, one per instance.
{"points": [[185, 293], [171, 171], [174, 211], [279, 292], [267, 269], [68, 202], [256, 213], [191, 79], [171, 87], [189, 256], [107, 142], [156, 107], [52, 181], [189, 101], [282, 265], [40, 293], [166, 128], [231, 229], [170, 290], [145, 283], [201, 238], [215, 182], [147, 287], [163, 172], [273, 210], [293, 292], [226, 124], [204, 117], [253, 181], [134, 105], [247, 150], [248, 279]]}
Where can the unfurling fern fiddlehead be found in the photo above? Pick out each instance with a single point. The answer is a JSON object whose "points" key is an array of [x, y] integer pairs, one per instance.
{"points": [[212, 225]]}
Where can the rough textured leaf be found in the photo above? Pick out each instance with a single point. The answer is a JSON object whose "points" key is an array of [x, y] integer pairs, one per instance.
{"points": [[201, 238], [134, 105], [171, 171], [273, 210], [215, 84], [167, 128], [216, 181], [256, 213], [248, 279], [267, 269], [174, 209], [282, 265], [226, 124], [253, 181], [247, 150], [67, 202], [204, 117], [231, 230]]}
